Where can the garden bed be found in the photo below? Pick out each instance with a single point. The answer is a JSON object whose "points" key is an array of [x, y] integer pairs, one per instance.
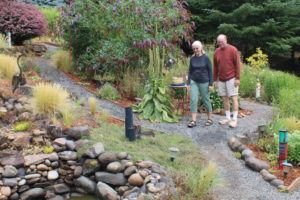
{"points": [[274, 168]]}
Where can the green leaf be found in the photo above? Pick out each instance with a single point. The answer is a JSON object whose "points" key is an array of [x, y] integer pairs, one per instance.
{"points": [[148, 110], [158, 105], [162, 90]]}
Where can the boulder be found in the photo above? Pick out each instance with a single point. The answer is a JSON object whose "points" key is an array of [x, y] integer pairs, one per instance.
{"points": [[136, 180], [107, 157], [32, 194], [111, 179], [114, 167], [78, 131], [87, 184], [94, 151], [256, 164], [247, 153], [10, 171], [104, 191]]}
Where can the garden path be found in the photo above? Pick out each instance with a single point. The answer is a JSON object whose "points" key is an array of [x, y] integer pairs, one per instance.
{"points": [[240, 182]]}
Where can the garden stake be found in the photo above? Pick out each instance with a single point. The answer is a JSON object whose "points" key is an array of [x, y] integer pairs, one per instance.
{"points": [[258, 86], [283, 148]]}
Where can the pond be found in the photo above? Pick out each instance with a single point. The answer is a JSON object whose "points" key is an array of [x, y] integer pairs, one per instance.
{"points": [[83, 198], [45, 3]]}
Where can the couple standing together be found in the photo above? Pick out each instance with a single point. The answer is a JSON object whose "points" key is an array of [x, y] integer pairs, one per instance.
{"points": [[225, 76]]}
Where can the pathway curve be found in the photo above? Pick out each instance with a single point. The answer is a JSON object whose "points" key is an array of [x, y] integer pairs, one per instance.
{"points": [[241, 182]]}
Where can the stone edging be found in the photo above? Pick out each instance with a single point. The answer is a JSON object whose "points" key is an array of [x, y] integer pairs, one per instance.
{"points": [[254, 163]]}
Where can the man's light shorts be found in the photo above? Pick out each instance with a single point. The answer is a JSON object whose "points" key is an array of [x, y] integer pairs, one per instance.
{"points": [[227, 88]]}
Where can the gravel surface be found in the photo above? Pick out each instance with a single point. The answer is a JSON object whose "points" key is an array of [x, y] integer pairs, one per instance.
{"points": [[240, 181]]}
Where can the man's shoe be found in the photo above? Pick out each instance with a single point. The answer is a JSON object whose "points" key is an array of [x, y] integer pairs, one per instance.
{"points": [[233, 123], [224, 121]]}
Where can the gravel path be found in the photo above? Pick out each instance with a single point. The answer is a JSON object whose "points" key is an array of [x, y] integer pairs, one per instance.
{"points": [[240, 181]]}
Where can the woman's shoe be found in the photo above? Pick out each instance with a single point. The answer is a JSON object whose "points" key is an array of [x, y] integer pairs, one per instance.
{"points": [[192, 124], [209, 122]]}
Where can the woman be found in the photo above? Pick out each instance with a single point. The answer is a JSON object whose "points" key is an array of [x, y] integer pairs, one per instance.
{"points": [[200, 79]]}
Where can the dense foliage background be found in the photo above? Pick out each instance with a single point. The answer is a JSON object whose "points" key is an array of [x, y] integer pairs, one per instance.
{"points": [[271, 25], [112, 35]]}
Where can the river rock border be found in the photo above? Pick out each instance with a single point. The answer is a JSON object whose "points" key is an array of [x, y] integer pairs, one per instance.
{"points": [[61, 173], [255, 163]]}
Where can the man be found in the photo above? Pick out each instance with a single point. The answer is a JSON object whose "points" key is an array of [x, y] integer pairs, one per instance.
{"points": [[227, 71]]}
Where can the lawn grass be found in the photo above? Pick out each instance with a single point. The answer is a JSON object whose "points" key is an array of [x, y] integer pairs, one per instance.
{"points": [[194, 180]]}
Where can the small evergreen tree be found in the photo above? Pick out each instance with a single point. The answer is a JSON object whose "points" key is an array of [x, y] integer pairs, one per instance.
{"points": [[22, 20]]}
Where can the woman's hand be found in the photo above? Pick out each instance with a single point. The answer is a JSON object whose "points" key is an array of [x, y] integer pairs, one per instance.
{"points": [[210, 88], [188, 87]]}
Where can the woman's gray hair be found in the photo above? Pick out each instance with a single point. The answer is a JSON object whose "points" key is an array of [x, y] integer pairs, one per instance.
{"points": [[197, 43]]}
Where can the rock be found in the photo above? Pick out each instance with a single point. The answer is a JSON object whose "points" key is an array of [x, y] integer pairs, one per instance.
{"points": [[242, 148], [33, 181], [61, 188], [80, 143], [60, 141], [35, 159], [145, 164], [55, 164], [85, 183], [78, 171], [58, 148], [10, 182], [267, 176], [121, 155], [236, 145], [25, 116], [53, 156], [14, 196], [3, 111], [13, 158], [22, 182], [130, 170], [277, 182], [136, 180], [111, 179], [10, 171], [52, 175], [23, 188], [38, 140], [143, 173], [107, 157], [231, 141], [247, 153], [67, 155], [38, 132], [30, 176], [94, 151], [156, 188], [256, 164], [42, 167], [90, 166], [71, 145], [32, 193], [294, 185], [21, 140], [129, 164], [173, 149], [104, 191], [6, 191], [114, 167], [18, 107], [78, 131]]}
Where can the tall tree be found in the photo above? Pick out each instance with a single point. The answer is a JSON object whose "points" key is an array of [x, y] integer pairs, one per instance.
{"points": [[271, 25]]}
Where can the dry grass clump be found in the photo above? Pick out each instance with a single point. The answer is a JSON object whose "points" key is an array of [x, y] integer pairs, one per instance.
{"points": [[49, 98], [61, 60], [93, 106], [8, 66]]}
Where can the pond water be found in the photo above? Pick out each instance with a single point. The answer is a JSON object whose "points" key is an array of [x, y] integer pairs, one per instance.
{"points": [[83, 198], [45, 3]]}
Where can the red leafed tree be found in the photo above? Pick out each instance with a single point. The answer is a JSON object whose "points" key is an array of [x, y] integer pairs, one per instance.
{"points": [[22, 20]]}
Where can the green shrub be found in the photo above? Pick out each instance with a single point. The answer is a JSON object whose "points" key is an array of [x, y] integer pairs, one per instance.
{"points": [[49, 149], [108, 92], [22, 126], [288, 103], [294, 147], [274, 81], [52, 16], [216, 100], [247, 82], [112, 35]]}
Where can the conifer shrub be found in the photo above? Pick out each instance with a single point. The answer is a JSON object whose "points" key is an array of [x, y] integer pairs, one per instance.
{"points": [[22, 20]]}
